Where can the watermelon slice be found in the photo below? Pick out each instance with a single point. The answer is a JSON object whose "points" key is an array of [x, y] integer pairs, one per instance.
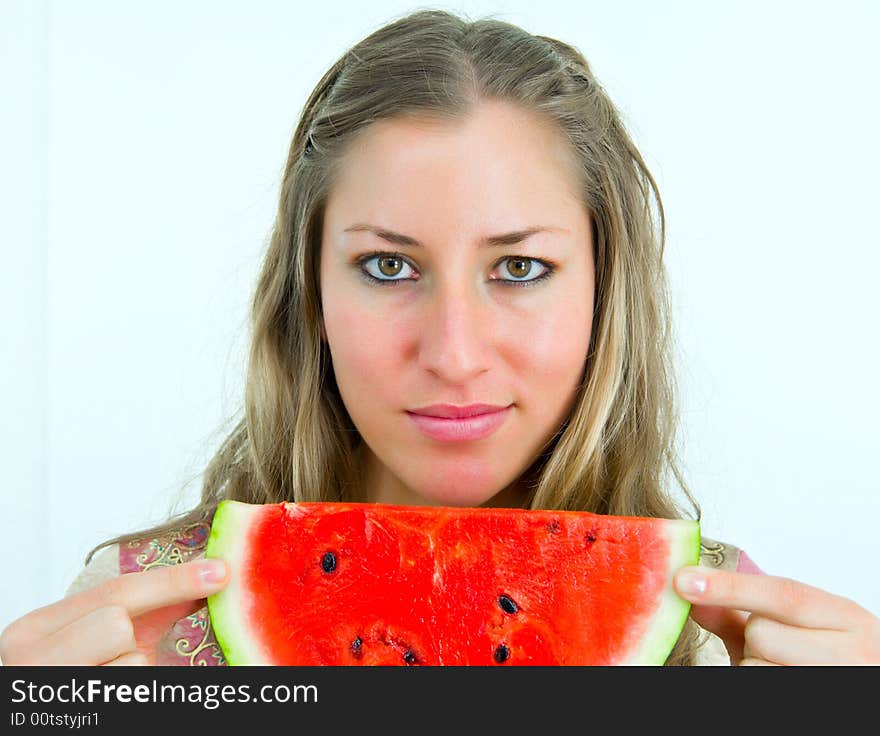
{"points": [[373, 584]]}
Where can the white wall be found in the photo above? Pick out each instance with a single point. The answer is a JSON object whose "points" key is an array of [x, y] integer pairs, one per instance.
{"points": [[140, 158]]}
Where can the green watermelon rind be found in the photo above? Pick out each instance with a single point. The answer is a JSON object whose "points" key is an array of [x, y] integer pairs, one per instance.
{"points": [[668, 620], [227, 614], [227, 542]]}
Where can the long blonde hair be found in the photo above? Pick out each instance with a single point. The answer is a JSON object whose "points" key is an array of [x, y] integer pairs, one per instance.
{"points": [[616, 453]]}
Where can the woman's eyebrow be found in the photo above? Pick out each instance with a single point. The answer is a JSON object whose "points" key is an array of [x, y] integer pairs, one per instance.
{"points": [[493, 240]]}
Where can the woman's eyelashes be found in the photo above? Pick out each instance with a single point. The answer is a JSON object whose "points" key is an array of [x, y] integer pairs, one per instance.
{"points": [[392, 269]]}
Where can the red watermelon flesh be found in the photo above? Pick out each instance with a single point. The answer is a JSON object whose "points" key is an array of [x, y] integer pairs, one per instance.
{"points": [[373, 584]]}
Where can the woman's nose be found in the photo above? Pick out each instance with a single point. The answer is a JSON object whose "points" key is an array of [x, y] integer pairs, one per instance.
{"points": [[455, 341]]}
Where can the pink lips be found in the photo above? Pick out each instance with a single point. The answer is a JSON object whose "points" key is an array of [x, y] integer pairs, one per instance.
{"points": [[448, 423]]}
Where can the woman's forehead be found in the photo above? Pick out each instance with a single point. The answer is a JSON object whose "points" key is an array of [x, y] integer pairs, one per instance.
{"points": [[498, 169]]}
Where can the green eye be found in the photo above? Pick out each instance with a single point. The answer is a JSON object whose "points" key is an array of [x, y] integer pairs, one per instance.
{"points": [[520, 267], [384, 269]]}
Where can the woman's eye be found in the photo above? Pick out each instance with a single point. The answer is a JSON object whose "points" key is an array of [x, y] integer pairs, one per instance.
{"points": [[523, 270], [392, 269], [386, 267]]}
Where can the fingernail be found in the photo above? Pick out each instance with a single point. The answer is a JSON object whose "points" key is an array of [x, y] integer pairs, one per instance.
{"points": [[212, 571], [692, 583]]}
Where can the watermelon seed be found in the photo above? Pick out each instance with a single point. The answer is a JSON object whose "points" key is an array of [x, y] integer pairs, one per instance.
{"points": [[501, 653], [591, 537], [507, 605], [328, 562], [409, 656], [356, 647]]}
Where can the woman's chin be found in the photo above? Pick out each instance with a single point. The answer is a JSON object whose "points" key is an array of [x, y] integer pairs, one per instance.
{"points": [[462, 481], [462, 500], [449, 492]]}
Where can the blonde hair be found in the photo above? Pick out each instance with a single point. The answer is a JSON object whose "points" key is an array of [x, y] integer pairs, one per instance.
{"points": [[296, 440]]}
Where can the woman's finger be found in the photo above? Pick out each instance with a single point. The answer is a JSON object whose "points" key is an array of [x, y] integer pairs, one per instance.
{"points": [[766, 638], [755, 662], [135, 592], [793, 645], [131, 659], [99, 636], [785, 600]]}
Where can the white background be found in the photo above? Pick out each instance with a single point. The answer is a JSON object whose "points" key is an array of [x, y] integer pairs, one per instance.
{"points": [[141, 150]]}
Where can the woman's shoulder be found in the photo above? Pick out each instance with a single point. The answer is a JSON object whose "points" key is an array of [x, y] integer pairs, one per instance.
{"points": [[726, 556], [169, 547], [190, 640]]}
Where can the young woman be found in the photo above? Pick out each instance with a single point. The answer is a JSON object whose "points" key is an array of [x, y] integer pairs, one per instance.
{"points": [[465, 229]]}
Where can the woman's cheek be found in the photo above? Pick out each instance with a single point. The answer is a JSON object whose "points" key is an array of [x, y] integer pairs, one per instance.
{"points": [[550, 338], [367, 360]]}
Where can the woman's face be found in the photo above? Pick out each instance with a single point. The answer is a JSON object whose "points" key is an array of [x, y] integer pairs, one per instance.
{"points": [[464, 306]]}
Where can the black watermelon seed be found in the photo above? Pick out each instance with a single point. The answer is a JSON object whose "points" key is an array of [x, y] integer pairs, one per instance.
{"points": [[501, 653], [591, 537], [507, 605], [409, 656], [356, 647], [328, 562]]}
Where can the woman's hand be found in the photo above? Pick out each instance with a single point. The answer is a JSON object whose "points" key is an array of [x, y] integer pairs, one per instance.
{"points": [[118, 622], [766, 620]]}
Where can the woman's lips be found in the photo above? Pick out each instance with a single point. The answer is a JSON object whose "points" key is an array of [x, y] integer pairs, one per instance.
{"points": [[460, 430]]}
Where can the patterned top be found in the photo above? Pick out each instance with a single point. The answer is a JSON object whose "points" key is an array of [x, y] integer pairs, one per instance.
{"points": [[191, 642]]}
